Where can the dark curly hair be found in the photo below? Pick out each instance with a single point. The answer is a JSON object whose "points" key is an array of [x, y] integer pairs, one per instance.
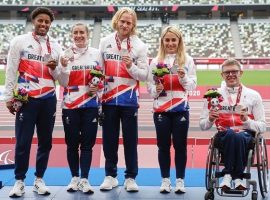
{"points": [[42, 10]]}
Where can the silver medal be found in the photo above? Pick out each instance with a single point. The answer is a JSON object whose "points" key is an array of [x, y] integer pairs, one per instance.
{"points": [[174, 69], [69, 54], [124, 52], [238, 108], [47, 58]]}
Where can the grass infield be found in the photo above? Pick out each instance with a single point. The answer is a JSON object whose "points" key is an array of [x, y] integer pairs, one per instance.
{"points": [[211, 77]]}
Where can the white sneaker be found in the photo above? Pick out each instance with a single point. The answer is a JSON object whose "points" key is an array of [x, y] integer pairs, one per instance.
{"points": [[40, 187], [73, 185], [239, 184], [18, 189], [180, 186], [109, 183], [226, 182], [85, 187], [165, 185], [131, 185]]}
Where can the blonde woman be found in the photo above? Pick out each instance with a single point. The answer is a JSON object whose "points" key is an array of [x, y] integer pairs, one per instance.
{"points": [[171, 108]]}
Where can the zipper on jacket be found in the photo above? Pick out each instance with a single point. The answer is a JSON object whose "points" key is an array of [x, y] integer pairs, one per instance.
{"points": [[233, 120], [171, 88], [42, 68], [117, 86], [84, 81]]}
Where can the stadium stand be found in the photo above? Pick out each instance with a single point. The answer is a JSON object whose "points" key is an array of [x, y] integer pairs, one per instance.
{"points": [[13, 2], [214, 2], [60, 30], [132, 2], [214, 37], [106, 28], [211, 38], [254, 35], [9, 29], [64, 2], [148, 31]]}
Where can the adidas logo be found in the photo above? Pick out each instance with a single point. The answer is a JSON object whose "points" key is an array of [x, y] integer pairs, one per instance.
{"points": [[183, 119], [30, 47], [94, 120], [159, 117]]}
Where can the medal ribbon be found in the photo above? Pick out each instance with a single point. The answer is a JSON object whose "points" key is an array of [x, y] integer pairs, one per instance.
{"points": [[237, 98], [118, 42], [82, 53], [47, 43]]}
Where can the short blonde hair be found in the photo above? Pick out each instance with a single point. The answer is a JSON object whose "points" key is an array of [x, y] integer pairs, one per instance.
{"points": [[181, 52], [230, 62], [119, 14]]}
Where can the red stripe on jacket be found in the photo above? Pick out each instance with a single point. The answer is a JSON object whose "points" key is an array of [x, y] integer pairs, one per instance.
{"points": [[34, 68], [230, 120], [171, 82], [111, 69], [79, 78]]}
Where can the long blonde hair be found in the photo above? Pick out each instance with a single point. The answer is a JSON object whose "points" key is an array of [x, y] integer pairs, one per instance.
{"points": [[181, 52], [119, 14]]}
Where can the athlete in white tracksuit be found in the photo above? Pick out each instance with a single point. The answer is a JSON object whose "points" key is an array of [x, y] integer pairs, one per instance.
{"points": [[27, 68], [80, 106], [239, 116], [171, 108], [125, 64]]}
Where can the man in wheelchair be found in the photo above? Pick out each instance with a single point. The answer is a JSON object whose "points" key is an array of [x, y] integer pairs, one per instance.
{"points": [[238, 113]]}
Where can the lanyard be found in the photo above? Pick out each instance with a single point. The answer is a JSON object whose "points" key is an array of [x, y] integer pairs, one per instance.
{"points": [[47, 43], [118, 42], [78, 53], [237, 98]]}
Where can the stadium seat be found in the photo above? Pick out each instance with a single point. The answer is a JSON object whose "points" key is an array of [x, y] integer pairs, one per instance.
{"points": [[64, 2], [210, 38], [254, 36], [132, 2], [60, 30], [214, 2], [9, 29]]}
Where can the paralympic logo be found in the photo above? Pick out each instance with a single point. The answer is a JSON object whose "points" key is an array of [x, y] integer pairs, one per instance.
{"points": [[4, 158]]}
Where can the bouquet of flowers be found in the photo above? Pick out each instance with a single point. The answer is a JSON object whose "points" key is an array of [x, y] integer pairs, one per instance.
{"points": [[20, 96], [214, 99], [158, 72], [95, 78]]}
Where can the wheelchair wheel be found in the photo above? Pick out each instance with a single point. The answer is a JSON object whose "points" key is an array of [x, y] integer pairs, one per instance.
{"points": [[262, 166], [209, 195], [209, 166], [254, 195]]}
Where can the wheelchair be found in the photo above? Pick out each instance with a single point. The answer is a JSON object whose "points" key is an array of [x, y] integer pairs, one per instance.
{"points": [[257, 158]]}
